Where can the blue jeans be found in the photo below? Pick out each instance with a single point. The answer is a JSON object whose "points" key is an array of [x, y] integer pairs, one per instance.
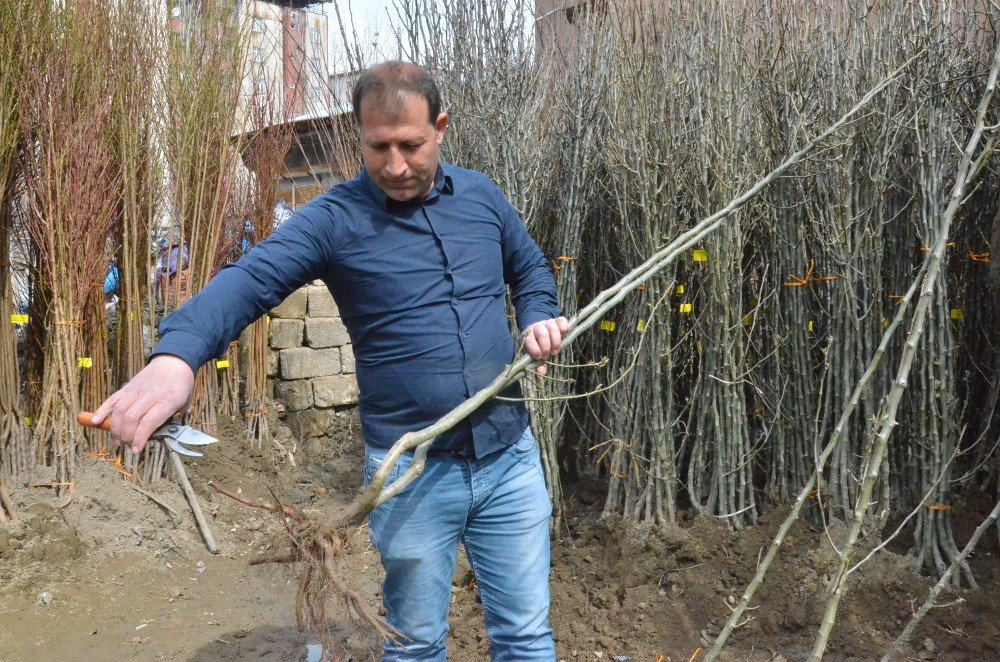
{"points": [[497, 505]]}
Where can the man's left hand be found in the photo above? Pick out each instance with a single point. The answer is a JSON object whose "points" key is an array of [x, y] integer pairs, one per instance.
{"points": [[543, 339]]}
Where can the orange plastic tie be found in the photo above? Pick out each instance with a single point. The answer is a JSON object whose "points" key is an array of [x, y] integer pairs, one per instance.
{"points": [[808, 278], [938, 507], [928, 249], [979, 257], [69, 323], [562, 258]]}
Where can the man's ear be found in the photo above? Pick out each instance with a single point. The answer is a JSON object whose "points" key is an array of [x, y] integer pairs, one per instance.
{"points": [[441, 125]]}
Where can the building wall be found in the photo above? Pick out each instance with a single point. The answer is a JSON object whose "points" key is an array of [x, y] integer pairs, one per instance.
{"points": [[295, 66], [552, 28], [265, 77], [305, 62], [287, 62], [557, 21], [289, 70], [316, 49], [311, 366]]}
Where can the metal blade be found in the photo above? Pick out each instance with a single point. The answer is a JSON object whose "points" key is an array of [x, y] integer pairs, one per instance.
{"points": [[177, 448], [176, 436], [191, 437]]}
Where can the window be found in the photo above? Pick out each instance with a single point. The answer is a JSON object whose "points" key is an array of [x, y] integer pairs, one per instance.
{"points": [[315, 37], [258, 54], [258, 25], [316, 94]]}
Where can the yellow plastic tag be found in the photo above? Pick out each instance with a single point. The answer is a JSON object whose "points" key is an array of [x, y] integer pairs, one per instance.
{"points": [[685, 308], [27, 420], [131, 316], [607, 325], [680, 289], [85, 362], [748, 319], [19, 319], [700, 255], [221, 363], [641, 326], [810, 326], [885, 324], [957, 314]]}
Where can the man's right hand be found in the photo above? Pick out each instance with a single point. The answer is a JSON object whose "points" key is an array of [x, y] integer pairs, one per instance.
{"points": [[156, 393]]}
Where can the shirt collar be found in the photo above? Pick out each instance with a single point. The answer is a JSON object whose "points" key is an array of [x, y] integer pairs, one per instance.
{"points": [[443, 185]]}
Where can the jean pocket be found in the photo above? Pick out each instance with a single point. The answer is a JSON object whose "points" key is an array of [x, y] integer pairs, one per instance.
{"points": [[373, 462], [526, 444]]}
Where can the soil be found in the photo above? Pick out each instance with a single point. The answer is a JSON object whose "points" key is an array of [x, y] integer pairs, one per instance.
{"points": [[116, 576]]}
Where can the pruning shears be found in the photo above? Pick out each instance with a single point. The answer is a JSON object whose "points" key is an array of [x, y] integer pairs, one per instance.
{"points": [[176, 436]]}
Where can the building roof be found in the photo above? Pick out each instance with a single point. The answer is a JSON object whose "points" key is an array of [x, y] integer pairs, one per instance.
{"points": [[334, 111], [302, 122]]}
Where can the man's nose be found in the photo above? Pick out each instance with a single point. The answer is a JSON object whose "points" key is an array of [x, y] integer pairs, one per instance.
{"points": [[396, 165]]}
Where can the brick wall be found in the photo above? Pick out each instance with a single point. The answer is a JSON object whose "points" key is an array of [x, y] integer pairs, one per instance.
{"points": [[311, 366]]}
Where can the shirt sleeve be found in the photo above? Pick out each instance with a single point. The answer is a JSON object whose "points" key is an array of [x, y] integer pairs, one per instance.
{"points": [[525, 269], [297, 253]]}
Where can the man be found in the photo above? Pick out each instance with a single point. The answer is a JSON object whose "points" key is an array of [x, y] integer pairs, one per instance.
{"points": [[418, 255]]}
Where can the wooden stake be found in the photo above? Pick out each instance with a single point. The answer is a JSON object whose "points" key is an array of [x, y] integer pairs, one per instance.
{"points": [[192, 498]]}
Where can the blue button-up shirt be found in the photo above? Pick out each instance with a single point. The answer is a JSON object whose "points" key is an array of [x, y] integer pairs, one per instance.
{"points": [[421, 288]]}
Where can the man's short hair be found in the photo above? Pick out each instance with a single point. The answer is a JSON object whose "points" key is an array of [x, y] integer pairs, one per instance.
{"points": [[386, 83]]}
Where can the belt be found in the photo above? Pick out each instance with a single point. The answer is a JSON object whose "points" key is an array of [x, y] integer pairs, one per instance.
{"points": [[449, 452]]}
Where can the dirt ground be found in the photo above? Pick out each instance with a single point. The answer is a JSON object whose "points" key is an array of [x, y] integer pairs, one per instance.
{"points": [[116, 576]]}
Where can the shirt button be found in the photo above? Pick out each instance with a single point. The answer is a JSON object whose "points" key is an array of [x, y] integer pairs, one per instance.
{"points": [[447, 274], [465, 335]]}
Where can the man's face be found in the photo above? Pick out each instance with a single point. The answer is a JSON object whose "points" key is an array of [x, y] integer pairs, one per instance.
{"points": [[400, 148]]}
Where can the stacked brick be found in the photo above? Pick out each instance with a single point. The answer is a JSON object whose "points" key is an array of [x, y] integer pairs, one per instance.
{"points": [[311, 363]]}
